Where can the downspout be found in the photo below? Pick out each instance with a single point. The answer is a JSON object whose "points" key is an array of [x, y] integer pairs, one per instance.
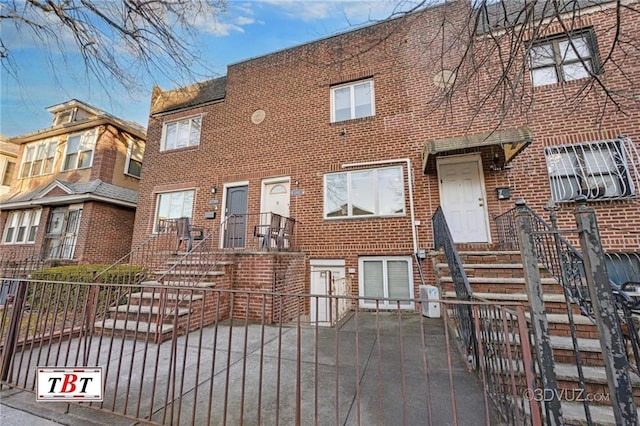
{"points": [[407, 161]]}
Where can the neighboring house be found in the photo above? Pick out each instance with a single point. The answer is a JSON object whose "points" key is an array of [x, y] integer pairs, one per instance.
{"points": [[8, 155], [75, 191], [351, 136]]}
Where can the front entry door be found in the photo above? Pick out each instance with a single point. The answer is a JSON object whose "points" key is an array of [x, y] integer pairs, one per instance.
{"points": [[276, 197], [463, 199], [236, 219]]}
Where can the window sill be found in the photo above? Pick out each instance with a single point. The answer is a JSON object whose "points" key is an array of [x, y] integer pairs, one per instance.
{"points": [[183, 149], [353, 120], [76, 168], [331, 219]]}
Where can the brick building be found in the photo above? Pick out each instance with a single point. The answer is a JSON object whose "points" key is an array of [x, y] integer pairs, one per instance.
{"points": [[74, 194], [361, 136]]}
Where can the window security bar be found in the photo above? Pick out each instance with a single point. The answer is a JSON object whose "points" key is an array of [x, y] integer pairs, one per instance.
{"points": [[599, 170]]}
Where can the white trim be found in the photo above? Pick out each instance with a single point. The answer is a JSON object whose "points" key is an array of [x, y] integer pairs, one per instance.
{"points": [[352, 84], [468, 158], [163, 138], [82, 135], [65, 199], [270, 181], [327, 262], [385, 304], [378, 202], [156, 204]]}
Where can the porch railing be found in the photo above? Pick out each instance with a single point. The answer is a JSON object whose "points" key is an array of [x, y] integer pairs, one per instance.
{"points": [[565, 263], [463, 316]]}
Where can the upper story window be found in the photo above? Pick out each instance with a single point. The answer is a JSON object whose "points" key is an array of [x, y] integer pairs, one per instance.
{"points": [[181, 133], [80, 149], [362, 193], [353, 100], [7, 175], [38, 158], [21, 226], [598, 170], [135, 152], [174, 205], [563, 59], [64, 117]]}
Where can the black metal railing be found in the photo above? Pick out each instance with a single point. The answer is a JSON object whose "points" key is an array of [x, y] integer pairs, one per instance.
{"points": [[463, 316], [565, 263]]}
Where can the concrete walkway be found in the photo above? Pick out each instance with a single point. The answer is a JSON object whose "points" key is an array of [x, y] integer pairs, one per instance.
{"points": [[384, 384]]}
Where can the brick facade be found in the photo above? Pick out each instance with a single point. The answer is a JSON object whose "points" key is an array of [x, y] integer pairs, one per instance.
{"points": [[297, 139], [103, 191]]}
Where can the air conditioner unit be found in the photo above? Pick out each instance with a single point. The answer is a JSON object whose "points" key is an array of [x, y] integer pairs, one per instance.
{"points": [[429, 295]]}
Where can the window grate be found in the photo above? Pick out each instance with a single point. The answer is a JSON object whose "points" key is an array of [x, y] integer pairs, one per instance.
{"points": [[599, 170]]}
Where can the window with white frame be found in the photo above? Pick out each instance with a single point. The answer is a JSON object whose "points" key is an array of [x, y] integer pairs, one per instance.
{"points": [[21, 226], [598, 170], [562, 59], [38, 158], [135, 152], [80, 149], [173, 205], [353, 100], [387, 277], [181, 133], [362, 193]]}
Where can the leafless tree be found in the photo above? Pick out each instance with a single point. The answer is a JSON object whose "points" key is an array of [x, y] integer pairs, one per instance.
{"points": [[116, 40], [486, 51]]}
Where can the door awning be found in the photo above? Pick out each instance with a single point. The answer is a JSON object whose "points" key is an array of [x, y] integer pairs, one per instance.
{"points": [[512, 142]]}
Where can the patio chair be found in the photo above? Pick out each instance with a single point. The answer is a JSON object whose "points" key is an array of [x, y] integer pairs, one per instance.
{"points": [[268, 232], [285, 234], [187, 232]]}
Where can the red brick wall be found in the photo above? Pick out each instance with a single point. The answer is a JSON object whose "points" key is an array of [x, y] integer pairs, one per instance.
{"points": [[105, 233], [296, 138]]}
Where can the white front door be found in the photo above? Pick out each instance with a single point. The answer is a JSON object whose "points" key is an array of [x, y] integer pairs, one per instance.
{"points": [[275, 196], [327, 279], [463, 198]]}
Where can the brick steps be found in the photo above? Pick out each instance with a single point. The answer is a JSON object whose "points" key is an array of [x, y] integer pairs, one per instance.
{"points": [[181, 303]]}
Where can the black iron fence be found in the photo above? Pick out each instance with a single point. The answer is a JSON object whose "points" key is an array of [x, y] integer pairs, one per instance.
{"points": [[376, 366]]}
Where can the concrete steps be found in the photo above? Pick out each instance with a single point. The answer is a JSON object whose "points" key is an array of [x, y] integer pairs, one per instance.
{"points": [[498, 277]]}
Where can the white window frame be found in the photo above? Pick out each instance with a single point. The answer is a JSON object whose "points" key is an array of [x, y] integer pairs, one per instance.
{"points": [[64, 117], [190, 142], [86, 145], [27, 219], [131, 156], [385, 304], [560, 63], [599, 170], [351, 194], [38, 155], [352, 104], [182, 213]]}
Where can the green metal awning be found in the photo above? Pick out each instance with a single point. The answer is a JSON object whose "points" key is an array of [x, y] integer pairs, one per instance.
{"points": [[512, 141]]}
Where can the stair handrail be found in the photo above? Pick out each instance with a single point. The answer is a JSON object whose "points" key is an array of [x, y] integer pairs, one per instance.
{"points": [[442, 239], [567, 268]]}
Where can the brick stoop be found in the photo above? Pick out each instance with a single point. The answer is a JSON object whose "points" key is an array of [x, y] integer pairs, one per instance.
{"points": [[164, 307]]}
